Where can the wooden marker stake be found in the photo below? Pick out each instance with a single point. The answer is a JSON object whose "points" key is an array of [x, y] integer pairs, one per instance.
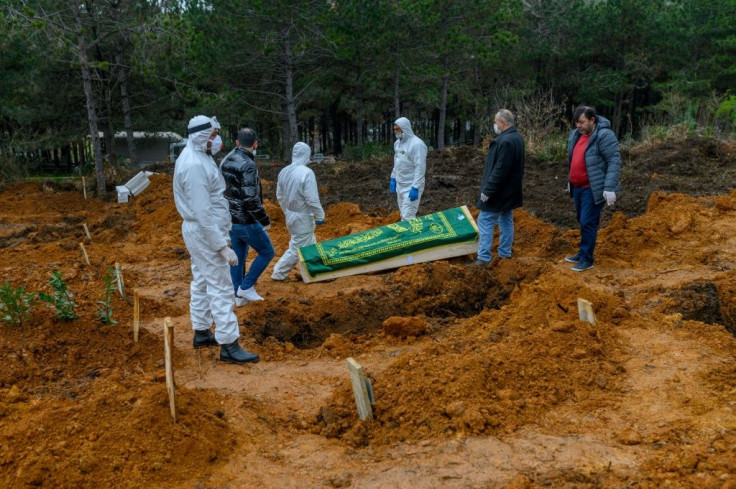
{"points": [[585, 311], [136, 316], [84, 253], [84, 188], [86, 231], [121, 285], [169, 357], [360, 389]]}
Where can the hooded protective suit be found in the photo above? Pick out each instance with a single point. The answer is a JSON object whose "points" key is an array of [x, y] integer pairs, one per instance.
{"points": [[198, 195], [296, 191], [410, 163]]}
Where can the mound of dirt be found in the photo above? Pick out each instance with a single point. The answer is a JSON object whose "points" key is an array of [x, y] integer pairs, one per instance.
{"points": [[697, 167], [483, 376]]}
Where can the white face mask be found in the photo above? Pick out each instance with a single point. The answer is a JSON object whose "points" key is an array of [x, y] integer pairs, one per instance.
{"points": [[496, 129], [216, 145], [399, 135]]}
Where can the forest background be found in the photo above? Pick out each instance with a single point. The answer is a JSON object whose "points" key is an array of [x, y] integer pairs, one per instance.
{"points": [[336, 74]]}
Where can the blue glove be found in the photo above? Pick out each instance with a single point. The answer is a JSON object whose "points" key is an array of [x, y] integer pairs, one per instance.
{"points": [[319, 222], [392, 186], [413, 194]]}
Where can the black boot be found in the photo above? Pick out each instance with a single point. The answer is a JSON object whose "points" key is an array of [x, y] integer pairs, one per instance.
{"points": [[232, 353], [203, 338]]}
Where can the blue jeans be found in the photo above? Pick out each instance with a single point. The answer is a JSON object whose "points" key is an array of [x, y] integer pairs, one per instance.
{"points": [[486, 224], [242, 236], [589, 217]]}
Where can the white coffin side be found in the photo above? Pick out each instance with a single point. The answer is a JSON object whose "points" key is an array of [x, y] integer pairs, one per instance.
{"points": [[449, 251]]}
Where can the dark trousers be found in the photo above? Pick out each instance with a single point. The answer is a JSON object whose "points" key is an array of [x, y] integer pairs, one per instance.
{"points": [[589, 217]]}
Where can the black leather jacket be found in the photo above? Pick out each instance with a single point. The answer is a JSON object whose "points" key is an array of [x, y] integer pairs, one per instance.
{"points": [[243, 192]]}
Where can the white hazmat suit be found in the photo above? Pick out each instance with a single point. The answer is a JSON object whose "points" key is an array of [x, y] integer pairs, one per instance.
{"points": [[410, 163], [198, 194], [296, 191]]}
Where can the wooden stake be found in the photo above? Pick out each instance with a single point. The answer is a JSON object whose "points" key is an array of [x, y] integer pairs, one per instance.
{"points": [[121, 285], [585, 311], [136, 316], [169, 357], [360, 390], [84, 253], [86, 231], [84, 188]]}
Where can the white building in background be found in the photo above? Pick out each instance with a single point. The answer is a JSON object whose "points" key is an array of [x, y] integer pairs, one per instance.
{"points": [[151, 147]]}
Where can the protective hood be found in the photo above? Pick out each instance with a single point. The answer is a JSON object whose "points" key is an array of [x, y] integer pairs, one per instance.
{"points": [[297, 193], [405, 126], [602, 122], [199, 129], [300, 154]]}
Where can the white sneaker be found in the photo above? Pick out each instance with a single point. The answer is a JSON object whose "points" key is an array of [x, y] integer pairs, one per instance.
{"points": [[240, 302], [249, 295]]}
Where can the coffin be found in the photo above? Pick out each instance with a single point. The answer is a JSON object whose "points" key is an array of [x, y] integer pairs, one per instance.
{"points": [[437, 236]]}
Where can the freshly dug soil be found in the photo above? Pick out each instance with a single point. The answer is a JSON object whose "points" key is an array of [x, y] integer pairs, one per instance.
{"points": [[483, 377]]}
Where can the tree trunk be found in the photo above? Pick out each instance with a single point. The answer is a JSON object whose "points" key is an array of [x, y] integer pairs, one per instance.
{"points": [[397, 100], [324, 128], [336, 128], [310, 134], [108, 133], [76, 160], [359, 122], [290, 136], [443, 111], [617, 113], [90, 99], [125, 99]]}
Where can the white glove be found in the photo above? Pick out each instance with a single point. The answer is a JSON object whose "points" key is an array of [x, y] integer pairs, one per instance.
{"points": [[266, 228], [229, 255], [610, 197], [483, 198]]}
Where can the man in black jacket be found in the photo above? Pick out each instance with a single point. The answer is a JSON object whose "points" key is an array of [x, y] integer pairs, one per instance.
{"points": [[249, 219], [500, 188]]}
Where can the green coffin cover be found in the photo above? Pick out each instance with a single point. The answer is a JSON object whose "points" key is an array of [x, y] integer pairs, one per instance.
{"points": [[453, 226]]}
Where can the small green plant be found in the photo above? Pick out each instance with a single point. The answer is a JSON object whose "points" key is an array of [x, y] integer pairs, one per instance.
{"points": [[550, 149], [62, 300], [726, 113], [104, 311], [15, 304]]}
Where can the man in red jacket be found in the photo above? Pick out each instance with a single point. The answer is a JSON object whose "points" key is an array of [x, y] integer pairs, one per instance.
{"points": [[594, 159]]}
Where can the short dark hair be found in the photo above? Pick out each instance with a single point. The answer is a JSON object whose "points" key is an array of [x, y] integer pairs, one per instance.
{"points": [[588, 111], [246, 137]]}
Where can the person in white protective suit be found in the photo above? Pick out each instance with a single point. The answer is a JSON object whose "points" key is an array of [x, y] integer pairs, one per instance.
{"points": [[296, 191], [410, 163], [198, 195]]}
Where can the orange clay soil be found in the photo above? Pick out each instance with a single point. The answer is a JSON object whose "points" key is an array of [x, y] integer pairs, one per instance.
{"points": [[483, 377]]}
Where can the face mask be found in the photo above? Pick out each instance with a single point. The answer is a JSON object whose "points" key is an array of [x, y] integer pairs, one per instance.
{"points": [[496, 129], [254, 152], [399, 135], [216, 145]]}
